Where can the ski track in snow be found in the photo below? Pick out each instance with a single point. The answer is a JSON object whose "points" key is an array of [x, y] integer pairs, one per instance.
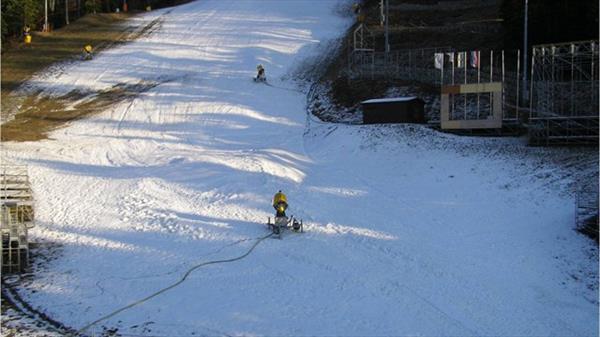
{"points": [[406, 234]]}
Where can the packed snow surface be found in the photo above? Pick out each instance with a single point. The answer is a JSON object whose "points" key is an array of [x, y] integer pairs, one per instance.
{"points": [[407, 233]]}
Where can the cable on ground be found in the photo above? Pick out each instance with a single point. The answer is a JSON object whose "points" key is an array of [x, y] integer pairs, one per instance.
{"points": [[185, 276]]}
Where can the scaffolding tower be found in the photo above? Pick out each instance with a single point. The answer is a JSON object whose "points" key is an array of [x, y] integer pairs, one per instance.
{"points": [[16, 217], [564, 94]]}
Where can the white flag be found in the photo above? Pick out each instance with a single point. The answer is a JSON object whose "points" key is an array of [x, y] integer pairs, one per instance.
{"points": [[475, 59], [439, 60]]}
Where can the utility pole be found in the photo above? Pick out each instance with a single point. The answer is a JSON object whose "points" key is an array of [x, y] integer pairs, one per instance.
{"points": [[524, 87], [387, 17], [67, 11], [381, 13], [46, 28]]}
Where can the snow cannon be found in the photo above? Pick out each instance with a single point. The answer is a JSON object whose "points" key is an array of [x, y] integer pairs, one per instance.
{"points": [[27, 35], [284, 223], [260, 76], [281, 221], [87, 52]]}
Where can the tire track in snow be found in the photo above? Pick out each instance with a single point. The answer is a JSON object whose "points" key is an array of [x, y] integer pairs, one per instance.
{"points": [[124, 115]]}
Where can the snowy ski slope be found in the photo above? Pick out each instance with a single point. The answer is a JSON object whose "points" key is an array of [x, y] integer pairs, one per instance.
{"points": [[409, 232]]}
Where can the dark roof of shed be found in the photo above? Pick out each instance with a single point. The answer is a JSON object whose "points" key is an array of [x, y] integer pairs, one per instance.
{"points": [[389, 100]]}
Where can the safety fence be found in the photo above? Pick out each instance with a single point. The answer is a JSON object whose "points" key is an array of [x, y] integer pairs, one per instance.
{"points": [[447, 66]]}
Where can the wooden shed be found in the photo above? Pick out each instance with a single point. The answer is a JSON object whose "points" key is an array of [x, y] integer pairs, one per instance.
{"points": [[393, 110]]}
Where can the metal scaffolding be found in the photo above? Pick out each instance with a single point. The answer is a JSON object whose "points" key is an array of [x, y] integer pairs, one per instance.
{"points": [[562, 107], [409, 64], [16, 217], [564, 94], [363, 39]]}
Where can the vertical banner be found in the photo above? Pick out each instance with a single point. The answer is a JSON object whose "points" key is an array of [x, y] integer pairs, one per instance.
{"points": [[474, 59], [451, 57], [439, 60]]}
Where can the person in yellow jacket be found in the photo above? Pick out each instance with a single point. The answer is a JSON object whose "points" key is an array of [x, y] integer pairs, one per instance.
{"points": [[280, 203]]}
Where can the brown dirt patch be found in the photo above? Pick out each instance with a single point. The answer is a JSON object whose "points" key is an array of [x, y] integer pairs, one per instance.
{"points": [[31, 116], [42, 114]]}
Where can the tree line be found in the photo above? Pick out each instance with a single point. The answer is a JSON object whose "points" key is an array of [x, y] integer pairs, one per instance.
{"points": [[16, 14], [550, 21]]}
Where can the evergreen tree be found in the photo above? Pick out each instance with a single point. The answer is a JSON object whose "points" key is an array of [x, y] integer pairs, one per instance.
{"points": [[16, 14]]}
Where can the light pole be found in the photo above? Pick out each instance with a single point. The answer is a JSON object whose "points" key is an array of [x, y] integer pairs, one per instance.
{"points": [[524, 88], [387, 18], [67, 11], [381, 13], [384, 4], [46, 29]]}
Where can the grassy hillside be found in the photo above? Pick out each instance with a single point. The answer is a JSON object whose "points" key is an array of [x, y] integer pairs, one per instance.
{"points": [[34, 115]]}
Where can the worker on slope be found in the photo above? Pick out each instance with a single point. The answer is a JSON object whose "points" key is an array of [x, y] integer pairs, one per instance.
{"points": [[260, 76], [280, 204]]}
